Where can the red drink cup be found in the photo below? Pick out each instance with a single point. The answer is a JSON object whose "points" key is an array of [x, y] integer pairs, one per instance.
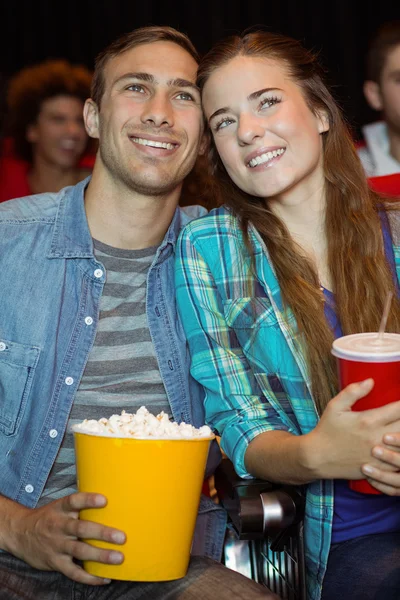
{"points": [[362, 356]]}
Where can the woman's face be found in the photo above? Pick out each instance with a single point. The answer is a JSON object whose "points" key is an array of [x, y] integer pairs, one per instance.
{"points": [[267, 137]]}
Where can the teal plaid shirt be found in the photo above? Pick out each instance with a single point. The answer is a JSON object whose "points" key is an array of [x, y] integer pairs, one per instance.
{"points": [[247, 355]]}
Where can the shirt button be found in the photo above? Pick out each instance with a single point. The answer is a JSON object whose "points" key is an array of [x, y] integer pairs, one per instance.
{"points": [[29, 488], [88, 320], [53, 433], [2, 346], [98, 273], [69, 381]]}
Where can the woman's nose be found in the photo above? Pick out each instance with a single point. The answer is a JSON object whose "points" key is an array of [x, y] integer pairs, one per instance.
{"points": [[249, 128]]}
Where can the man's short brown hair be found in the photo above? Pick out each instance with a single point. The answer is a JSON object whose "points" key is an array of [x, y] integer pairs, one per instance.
{"points": [[137, 37]]}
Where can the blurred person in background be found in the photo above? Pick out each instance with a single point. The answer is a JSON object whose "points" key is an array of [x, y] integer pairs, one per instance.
{"points": [[380, 150], [2, 105], [46, 145]]}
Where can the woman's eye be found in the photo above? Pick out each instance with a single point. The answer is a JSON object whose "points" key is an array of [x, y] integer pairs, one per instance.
{"points": [[58, 119], [267, 102], [223, 123]]}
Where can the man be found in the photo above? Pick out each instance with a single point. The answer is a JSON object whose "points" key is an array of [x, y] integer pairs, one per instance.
{"points": [[88, 326], [46, 145], [380, 153]]}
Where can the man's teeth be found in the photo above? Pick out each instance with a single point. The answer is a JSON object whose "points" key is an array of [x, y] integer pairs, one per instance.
{"points": [[153, 144], [263, 158]]}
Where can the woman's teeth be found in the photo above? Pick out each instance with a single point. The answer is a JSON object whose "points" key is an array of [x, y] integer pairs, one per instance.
{"points": [[263, 158]]}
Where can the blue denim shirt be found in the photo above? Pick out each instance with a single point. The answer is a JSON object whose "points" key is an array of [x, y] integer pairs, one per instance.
{"points": [[50, 282]]}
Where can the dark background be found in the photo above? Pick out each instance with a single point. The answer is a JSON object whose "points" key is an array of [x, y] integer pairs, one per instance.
{"points": [[33, 30]]}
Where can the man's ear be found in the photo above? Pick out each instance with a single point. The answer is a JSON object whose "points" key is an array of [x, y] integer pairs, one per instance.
{"points": [[372, 93], [323, 121], [91, 118]]}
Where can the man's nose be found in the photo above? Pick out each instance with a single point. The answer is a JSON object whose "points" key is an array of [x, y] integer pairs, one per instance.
{"points": [[158, 111]]}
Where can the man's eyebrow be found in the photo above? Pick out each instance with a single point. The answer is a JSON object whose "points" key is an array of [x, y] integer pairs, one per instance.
{"points": [[149, 78], [394, 73], [140, 76], [251, 97], [179, 82]]}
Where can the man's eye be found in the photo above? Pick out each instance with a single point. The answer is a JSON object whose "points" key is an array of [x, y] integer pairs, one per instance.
{"points": [[185, 96], [135, 87]]}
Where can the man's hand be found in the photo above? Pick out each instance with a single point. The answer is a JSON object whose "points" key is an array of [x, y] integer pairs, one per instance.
{"points": [[49, 537]]}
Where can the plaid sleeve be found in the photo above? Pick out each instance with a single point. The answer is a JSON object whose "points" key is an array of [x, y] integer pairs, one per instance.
{"points": [[235, 406]]}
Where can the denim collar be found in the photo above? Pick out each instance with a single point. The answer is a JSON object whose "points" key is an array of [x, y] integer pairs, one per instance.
{"points": [[71, 236]]}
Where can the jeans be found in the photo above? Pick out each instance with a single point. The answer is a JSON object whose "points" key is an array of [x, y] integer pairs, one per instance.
{"points": [[366, 568], [205, 580]]}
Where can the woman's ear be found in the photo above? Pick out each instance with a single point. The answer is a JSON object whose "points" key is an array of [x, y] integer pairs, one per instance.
{"points": [[323, 121], [91, 118]]}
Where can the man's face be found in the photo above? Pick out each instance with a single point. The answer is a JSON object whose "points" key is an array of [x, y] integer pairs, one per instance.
{"points": [[58, 136], [150, 123], [390, 89]]}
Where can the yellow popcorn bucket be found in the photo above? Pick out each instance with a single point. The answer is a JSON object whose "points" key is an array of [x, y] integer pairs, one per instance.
{"points": [[153, 489]]}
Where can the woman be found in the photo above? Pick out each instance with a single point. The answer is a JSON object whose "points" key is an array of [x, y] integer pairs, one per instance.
{"points": [[302, 252]]}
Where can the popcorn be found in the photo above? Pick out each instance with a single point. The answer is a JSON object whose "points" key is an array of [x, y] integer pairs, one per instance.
{"points": [[143, 425]]}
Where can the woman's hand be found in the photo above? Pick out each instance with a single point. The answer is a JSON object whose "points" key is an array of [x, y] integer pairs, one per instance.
{"points": [[343, 441], [385, 476]]}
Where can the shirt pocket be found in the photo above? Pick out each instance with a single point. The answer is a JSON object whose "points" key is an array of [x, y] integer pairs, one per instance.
{"points": [[17, 368], [254, 326]]}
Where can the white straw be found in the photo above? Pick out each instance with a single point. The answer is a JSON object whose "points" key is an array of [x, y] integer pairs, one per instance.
{"points": [[385, 315]]}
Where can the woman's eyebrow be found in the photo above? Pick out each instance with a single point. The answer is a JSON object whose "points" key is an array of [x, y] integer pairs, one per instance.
{"points": [[259, 93], [219, 112], [252, 96]]}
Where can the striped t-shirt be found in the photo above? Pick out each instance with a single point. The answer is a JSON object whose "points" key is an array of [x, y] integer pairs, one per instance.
{"points": [[122, 371]]}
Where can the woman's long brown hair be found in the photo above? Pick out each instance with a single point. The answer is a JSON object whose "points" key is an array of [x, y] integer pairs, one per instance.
{"points": [[360, 273]]}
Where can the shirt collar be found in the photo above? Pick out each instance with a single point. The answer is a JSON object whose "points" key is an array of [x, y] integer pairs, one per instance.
{"points": [[377, 141], [71, 236]]}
